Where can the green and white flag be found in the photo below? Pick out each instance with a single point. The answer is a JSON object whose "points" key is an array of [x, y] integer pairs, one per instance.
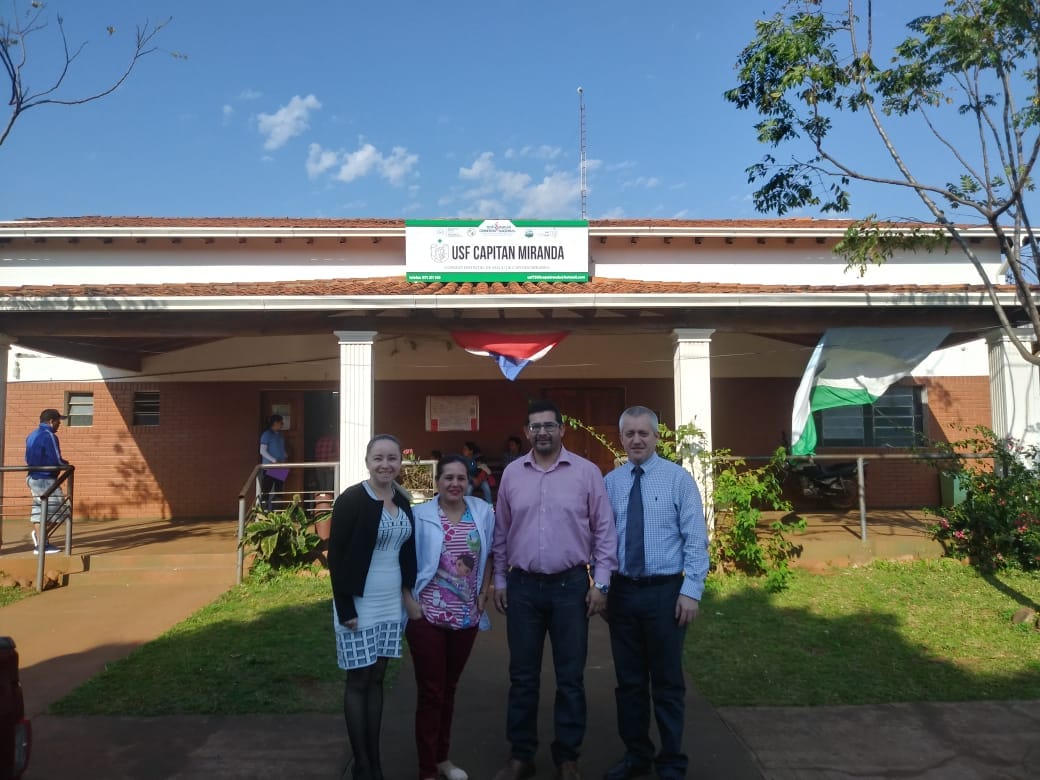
{"points": [[855, 366]]}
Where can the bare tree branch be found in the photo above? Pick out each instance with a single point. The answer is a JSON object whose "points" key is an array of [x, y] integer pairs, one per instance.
{"points": [[15, 35]]}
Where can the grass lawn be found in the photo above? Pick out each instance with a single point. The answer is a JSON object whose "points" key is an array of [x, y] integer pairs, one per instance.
{"points": [[891, 632], [11, 595], [260, 648], [927, 631]]}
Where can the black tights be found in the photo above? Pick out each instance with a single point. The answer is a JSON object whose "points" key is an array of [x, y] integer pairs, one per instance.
{"points": [[363, 711]]}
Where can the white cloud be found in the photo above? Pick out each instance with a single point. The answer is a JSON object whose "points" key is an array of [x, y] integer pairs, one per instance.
{"points": [[491, 191], [288, 121], [615, 213], [319, 160], [365, 160], [645, 182], [481, 167], [541, 152], [226, 112], [554, 196], [250, 94], [397, 166], [359, 163]]}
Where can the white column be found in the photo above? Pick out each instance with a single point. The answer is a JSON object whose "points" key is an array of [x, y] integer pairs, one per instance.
{"points": [[356, 389], [691, 368], [1014, 389], [5, 352]]}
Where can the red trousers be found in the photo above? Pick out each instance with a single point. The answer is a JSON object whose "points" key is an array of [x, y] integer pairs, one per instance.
{"points": [[438, 657]]}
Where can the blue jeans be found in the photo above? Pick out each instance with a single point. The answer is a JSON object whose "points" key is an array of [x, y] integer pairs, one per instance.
{"points": [[647, 645], [554, 604]]}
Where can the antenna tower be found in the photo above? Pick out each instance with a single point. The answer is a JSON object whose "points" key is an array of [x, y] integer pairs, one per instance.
{"points": [[582, 161]]}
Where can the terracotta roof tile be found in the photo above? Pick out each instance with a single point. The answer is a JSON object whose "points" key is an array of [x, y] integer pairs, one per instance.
{"points": [[394, 285]]}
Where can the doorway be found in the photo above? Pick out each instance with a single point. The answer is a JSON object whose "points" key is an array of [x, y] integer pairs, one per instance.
{"points": [[599, 409]]}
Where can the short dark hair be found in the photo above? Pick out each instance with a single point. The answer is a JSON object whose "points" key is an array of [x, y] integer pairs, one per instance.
{"points": [[273, 419], [446, 459], [516, 440], [544, 405]]}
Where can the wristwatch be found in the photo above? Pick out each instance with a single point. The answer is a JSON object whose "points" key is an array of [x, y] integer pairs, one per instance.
{"points": [[604, 589]]}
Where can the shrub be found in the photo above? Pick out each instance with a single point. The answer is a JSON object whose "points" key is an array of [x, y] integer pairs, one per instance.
{"points": [[997, 526], [733, 508], [280, 538]]}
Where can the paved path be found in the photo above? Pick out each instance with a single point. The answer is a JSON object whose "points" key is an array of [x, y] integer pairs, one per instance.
{"points": [[67, 636]]}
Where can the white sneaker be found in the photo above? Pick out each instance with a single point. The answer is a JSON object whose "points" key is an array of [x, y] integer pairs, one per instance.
{"points": [[446, 770], [48, 547]]}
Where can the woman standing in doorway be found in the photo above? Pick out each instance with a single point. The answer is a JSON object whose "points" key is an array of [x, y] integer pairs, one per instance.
{"points": [[372, 566], [453, 535], [272, 450]]}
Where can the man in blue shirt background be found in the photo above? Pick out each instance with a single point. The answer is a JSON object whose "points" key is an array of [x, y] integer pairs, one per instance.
{"points": [[42, 449], [663, 561]]}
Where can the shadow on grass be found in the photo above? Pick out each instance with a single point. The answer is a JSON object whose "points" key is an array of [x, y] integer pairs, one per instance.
{"points": [[279, 660], [746, 650], [1017, 596]]}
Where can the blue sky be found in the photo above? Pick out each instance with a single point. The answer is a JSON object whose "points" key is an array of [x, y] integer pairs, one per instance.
{"points": [[398, 110]]}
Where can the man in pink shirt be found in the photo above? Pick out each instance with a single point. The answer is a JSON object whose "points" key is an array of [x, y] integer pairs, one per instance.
{"points": [[554, 528]]}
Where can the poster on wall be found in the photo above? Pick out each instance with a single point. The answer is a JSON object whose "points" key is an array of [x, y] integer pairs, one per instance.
{"points": [[452, 413], [285, 410]]}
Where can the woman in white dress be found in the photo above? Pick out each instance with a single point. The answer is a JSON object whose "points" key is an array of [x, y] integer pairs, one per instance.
{"points": [[372, 566]]}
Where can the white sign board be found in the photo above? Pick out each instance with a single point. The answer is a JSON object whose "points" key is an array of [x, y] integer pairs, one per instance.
{"points": [[452, 412], [496, 250]]}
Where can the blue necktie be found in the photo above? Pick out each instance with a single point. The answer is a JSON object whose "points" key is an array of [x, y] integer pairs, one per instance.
{"points": [[635, 563]]}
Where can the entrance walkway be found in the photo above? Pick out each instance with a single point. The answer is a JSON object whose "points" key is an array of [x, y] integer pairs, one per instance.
{"points": [[112, 606]]}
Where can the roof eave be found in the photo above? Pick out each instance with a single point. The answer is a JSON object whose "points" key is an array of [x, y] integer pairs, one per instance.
{"points": [[130, 304]]}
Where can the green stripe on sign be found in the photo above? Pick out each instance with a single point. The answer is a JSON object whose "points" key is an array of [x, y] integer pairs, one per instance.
{"points": [[578, 223], [497, 277]]}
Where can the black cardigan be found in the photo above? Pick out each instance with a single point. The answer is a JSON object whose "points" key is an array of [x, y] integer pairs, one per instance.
{"points": [[352, 539]]}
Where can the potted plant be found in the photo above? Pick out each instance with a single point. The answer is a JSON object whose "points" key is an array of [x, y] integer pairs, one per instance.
{"points": [[417, 476]]}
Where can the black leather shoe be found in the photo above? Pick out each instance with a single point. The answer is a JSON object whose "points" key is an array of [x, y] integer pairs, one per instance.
{"points": [[515, 769], [626, 768]]}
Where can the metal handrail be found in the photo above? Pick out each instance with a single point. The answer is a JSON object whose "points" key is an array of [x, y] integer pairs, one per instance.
{"points": [[254, 480], [861, 458], [64, 475]]}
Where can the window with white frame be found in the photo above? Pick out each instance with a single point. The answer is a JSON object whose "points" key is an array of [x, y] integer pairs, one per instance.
{"points": [[80, 409], [896, 419]]}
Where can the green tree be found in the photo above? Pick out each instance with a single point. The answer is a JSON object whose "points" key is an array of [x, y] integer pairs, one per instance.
{"points": [[966, 78], [17, 30]]}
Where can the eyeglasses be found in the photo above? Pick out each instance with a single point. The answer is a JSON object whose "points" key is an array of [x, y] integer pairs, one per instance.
{"points": [[547, 427]]}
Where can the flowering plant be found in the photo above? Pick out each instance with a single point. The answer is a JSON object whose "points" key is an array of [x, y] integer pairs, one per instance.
{"points": [[997, 526], [416, 477]]}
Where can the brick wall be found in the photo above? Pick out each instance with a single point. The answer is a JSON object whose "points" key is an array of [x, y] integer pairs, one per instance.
{"points": [[954, 404], [193, 463]]}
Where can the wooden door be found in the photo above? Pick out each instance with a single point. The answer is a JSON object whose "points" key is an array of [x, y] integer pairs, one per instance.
{"points": [[597, 407]]}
